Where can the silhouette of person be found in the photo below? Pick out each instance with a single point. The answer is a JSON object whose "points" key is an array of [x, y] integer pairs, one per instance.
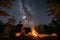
{"points": [[20, 27]]}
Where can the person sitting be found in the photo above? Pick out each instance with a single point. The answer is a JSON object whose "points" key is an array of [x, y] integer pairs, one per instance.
{"points": [[17, 31], [20, 28]]}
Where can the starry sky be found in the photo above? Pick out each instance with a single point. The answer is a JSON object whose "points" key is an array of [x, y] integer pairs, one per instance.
{"points": [[37, 9]]}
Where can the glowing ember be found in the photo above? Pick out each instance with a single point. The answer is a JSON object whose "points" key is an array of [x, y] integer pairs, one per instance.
{"points": [[54, 34], [17, 34], [43, 35]]}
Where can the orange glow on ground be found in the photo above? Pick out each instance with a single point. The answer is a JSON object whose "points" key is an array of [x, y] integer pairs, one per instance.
{"points": [[17, 34], [44, 35], [34, 33]]}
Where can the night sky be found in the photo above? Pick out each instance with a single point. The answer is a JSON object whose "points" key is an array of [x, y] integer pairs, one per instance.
{"points": [[37, 8]]}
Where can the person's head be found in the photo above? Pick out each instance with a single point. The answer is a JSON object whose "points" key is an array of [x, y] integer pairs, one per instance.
{"points": [[20, 22]]}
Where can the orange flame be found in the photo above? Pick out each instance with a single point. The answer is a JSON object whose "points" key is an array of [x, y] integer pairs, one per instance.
{"points": [[33, 31]]}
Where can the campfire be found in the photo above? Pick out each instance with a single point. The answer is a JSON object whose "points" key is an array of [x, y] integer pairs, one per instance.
{"points": [[35, 33]]}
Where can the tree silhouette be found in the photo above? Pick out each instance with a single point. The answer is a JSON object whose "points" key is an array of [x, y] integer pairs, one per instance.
{"points": [[10, 25], [52, 26], [40, 28], [1, 26], [6, 4], [54, 8], [3, 13]]}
